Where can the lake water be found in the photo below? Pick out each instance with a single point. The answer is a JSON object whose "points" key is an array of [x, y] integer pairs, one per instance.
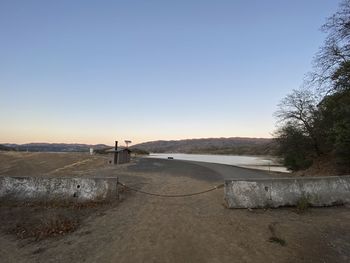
{"points": [[256, 162]]}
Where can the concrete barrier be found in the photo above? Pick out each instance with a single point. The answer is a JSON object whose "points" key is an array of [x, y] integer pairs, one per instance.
{"points": [[275, 192], [57, 189]]}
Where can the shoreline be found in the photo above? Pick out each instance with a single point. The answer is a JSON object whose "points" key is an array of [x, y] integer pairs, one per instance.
{"points": [[261, 163]]}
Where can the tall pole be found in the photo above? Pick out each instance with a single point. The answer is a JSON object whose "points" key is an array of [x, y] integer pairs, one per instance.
{"points": [[116, 153]]}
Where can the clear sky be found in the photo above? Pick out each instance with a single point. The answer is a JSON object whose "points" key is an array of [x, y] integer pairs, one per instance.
{"points": [[95, 71]]}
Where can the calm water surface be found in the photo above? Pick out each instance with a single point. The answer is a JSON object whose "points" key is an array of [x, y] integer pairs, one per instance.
{"points": [[256, 162]]}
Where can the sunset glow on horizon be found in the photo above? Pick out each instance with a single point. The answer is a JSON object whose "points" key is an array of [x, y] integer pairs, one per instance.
{"points": [[86, 72]]}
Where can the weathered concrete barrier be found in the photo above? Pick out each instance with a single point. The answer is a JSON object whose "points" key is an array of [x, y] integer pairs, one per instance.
{"points": [[57, 189], [275, 192]]}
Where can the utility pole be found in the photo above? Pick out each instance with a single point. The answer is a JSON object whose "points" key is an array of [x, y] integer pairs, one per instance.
{"points": [[127, 143]]}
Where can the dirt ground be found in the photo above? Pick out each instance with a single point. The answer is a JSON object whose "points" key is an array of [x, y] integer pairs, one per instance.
{"points": [[143, 228]]}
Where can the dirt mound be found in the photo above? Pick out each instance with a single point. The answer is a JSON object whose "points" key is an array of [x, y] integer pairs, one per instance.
{"points": [[323, 166]]}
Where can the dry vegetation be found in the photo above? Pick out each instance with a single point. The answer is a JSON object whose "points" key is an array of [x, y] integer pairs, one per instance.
{"points": [[38, 221]]}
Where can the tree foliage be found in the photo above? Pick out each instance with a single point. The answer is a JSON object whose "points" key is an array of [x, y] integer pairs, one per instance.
{"points": [[312, 126], [335, 127], [295, 147]]}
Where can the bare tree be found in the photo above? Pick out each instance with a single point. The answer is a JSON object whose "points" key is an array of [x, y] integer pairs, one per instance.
{"points": [[299, 109], [335, 53]]}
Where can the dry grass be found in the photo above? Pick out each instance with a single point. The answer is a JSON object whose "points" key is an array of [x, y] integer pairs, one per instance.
{"points": [[39, 221], [303, 204], [274, 237], [47, 227]]}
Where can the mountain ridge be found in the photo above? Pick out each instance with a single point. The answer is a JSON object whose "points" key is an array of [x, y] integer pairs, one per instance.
{"points": [[52, 147], [222, 145]]}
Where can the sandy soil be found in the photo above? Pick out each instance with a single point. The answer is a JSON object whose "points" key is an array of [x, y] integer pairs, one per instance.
{"points": [[192, 229]]}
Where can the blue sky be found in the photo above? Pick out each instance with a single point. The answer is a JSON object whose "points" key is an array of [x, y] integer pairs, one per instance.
{"points": [[96, 71]]}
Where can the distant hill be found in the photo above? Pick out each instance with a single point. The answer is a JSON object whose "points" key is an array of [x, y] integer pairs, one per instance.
{"points": [[6, 148], [53, 147], [233, 145]]}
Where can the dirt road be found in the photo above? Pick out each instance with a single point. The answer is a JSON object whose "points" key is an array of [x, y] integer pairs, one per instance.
{"points": [[191, 229]]}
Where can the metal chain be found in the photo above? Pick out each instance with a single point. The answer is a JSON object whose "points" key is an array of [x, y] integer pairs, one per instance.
{"points": [[179, 195]]}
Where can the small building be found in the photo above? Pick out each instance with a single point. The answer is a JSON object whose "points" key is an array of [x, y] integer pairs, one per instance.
{"points": [[120, 154]]}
